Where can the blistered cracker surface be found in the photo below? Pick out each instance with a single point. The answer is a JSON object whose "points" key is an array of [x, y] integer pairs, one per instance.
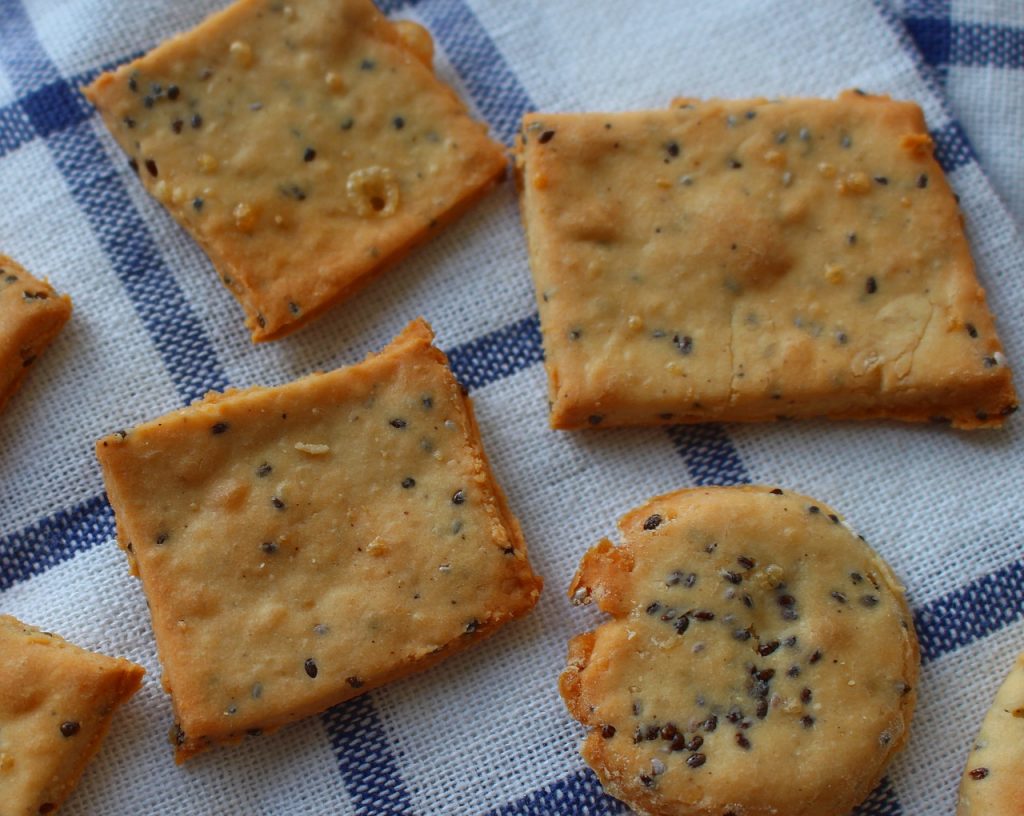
{"points": [[993, 779], [753, 260], [300, 545], [760, 658], [56, 703], [304, 146], [32, 314]]}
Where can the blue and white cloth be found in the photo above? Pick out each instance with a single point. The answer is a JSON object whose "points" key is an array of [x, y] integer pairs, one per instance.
{"points": [[485, 732]]}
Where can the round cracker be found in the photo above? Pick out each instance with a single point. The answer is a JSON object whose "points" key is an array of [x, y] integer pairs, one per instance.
{"points": [[761, 658]]}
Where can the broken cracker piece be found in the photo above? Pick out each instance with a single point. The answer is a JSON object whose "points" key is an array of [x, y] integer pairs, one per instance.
{"points": [[752, 260], [303, 544], [305, 147], [32, 314], [56, 704]]}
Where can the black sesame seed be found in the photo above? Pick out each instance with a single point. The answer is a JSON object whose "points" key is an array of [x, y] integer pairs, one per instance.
{"points": [[776, 492], [458, 497], [766, 674], [263, 470], [684, 343], [294, 307], [70, 728], [734, 715], [152, 168], [971, 330], [839, 596], [197, 204], [742, 741], [833, 518], [670, 614], [710, 724], [408, 482], [732, 577], [978, 773], [742, 635], [856, 577], [173, 92], [669, 731], [871, 285], [748, 602], [766, 649], [653, 608], [397, 423], [790, 642], [355, 682], [646, 781], [682, 624], [367, 65], [704, 615], [219, 428], [807, 721], [471, 627], [881, 180], [981, 415], [133, 85], [161, 538], [347, 123], [813, 509], [269, 547], [762, 709], [129, 122], [546, 137], [846, 141], [311, 668], [805, 695], [148, 101], [177, 125], [277, 503], [595, 419], [851, 238], [922, 181], [869, 601], [735, 164], [696, 760], [786, 600], [746, 563], [678, 743], [814, 658], [638, 735], [608, 731], [672, 148], [652, 523], [794, 671], [398, 122], [309, 154], [197, 121], [989, 362], [652, 733]]}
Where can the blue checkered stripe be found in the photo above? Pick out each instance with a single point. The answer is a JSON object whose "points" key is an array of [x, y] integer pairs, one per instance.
{"points": [[49, 108]]}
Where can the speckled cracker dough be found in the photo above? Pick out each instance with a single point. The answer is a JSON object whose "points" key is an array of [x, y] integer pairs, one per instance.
{"points": [[303, 544], [56, 704], [31, 316], [754, 260], [993, 781], [760, 661], [305, 146]]}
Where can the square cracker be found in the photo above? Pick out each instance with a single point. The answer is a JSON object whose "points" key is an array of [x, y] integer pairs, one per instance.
{"points": [[304, 146], [31, 316], [752, 260], [56, 703], [300, 545]]}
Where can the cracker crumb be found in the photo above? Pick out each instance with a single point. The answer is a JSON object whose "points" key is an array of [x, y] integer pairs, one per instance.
{"points": [[312, 449]]}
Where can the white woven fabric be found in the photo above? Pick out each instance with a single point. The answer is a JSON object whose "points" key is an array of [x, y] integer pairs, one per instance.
{"points": [[485, 731]]}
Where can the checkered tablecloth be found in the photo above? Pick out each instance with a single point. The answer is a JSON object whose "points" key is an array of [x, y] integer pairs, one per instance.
{"points": [[485, 732]]}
